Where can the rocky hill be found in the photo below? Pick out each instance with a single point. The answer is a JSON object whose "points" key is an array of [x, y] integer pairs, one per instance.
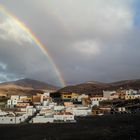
{"points": [[25, 86], [29, 86], [135, 84], [94, 87], [86, 88]]}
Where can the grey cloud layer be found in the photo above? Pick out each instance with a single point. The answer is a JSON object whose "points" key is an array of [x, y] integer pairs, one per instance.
{"points": [[89, 40]]}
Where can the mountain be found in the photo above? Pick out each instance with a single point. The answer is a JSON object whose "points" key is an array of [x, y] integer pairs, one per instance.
{"points": [[93, 87], [25, 86], [127, 84], [29, 86], [86, 88]]}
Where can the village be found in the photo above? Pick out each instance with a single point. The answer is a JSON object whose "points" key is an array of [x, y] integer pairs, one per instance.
{"points": [[54, 107]]}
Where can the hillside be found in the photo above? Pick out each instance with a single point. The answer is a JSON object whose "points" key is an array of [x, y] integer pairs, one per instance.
{"points": [[25, 86], [98, 87], [29, 86], [87, 88], [135, 84]]}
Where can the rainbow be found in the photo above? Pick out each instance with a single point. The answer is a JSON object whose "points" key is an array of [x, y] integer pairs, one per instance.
{"points": [[35, 41]]}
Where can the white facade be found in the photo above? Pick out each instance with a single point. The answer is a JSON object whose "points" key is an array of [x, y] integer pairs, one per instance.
{"points": [[98, 98], [2, 113], [110, 95], [59, 108], [13, 119], [46, 103], [12, 102], [9, 102], [121, 109], [127, 97], [22, 97], [94, 103], [131, 92], [64, 117], [15, 97], [52, 105], [45, 96], [46, 111], [30, 110], [42, 119], [51, 119], [81, 111]]}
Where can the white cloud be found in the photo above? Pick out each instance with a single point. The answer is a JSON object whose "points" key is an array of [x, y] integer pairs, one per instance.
{"points": [[9, 30], [86, 38], [100, 17], [87, 48]]}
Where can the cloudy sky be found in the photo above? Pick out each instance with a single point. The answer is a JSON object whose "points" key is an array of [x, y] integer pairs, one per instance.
{"points": [[88, 40]]}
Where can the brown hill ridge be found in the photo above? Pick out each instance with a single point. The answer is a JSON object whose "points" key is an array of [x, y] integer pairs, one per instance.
{"points": [[29, 86], [93, 87], [25, 86]]}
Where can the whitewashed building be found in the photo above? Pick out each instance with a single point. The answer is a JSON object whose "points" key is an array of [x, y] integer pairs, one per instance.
{"points": [[132, 94], [12, 102], [11, 118], [64, 117], [110, 95], [30, 110], [59, 108], [81, 111], [43, 119], [94, 103], [15, 97]]}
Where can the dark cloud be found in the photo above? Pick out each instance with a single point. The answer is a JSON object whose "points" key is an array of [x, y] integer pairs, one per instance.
{"points": [[88, 40]]}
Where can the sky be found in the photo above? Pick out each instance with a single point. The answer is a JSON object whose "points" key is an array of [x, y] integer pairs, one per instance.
{"points": [[88, 40]]}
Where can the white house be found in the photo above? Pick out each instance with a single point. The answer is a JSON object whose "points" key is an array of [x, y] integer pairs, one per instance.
{"points": [[132, 94], [64, 117], [94, 103], [45, 96], [15, 97], [11, 118], [12, 102], [52, 105], [30, 110], [43, 119], [98, 98], [59, 108], [81, 111], [110, 95], [23, 97], [2, 113]]}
